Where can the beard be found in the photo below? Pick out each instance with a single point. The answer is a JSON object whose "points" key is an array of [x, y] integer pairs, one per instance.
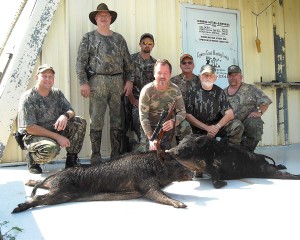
{"points": [[207, 85], [146, 50]]}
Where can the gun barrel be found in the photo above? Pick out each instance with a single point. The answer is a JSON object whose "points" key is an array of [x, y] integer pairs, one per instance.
{"points": [[159, 125]]}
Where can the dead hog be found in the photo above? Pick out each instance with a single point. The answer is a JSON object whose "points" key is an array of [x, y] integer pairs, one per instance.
{"points": [[127, 177], [223, 161]]}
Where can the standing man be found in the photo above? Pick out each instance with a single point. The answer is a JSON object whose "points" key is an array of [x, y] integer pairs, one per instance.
{"points": [[48, 122], [105, 54], [142, 75], [157, 96], [186, 78], [249, 103], [209, 111]]}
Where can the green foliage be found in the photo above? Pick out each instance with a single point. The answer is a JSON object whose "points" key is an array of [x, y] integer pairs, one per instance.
{"points": [[11, 233]]}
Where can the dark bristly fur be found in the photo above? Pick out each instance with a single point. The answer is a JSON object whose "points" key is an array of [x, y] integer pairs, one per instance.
{"points": [[127, 177], [223, 161]]}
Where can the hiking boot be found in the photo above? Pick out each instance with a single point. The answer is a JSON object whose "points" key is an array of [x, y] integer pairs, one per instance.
{"points": [[33, 167], [72, 160]]}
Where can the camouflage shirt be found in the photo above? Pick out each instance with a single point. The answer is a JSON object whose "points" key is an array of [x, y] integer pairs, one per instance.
{"points": [[42, 111], [247, 99], [142, 73], [107, 55], [184, 85], [153, 102], [207, 106]]}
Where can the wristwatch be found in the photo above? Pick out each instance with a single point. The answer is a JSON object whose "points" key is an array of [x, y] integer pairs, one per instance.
{"points": [[260, 111], [67, 115]]}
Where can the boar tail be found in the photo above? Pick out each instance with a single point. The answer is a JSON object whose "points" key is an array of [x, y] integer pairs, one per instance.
{"points": [[41, 184]]}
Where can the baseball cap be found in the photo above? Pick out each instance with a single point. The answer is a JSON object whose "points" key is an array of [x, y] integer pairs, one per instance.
{"points": [[234, 69], [186, 56], [145, 35], [45, 67], [207, 69]]}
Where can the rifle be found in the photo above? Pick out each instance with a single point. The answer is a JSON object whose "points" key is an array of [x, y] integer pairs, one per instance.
{"points": [[161, 135], [126, 122]]}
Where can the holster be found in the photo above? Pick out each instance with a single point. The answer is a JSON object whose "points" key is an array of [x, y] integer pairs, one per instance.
{"points": [[19, 138], [89, 72]]}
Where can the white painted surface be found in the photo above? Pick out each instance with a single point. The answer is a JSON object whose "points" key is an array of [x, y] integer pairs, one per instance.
{"points": [[15, 81], [244, 209]]}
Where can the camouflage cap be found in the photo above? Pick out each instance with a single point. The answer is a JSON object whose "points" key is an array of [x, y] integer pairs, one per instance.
{"points": [[146, 35], [234, 69], [208, 69], [186, 56], [44, 67]]}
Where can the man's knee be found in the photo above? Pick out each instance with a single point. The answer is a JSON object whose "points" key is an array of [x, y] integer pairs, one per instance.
{"points": [[183, 129]]}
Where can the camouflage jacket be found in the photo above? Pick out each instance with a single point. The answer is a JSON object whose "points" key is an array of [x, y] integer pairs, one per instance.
{"points": [[153, 102], [207, 106], [142, 73], [183, 84], [42, 111], [247, 99], [105, 55]]}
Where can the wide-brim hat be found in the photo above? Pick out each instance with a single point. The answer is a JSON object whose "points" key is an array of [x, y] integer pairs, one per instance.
{"points": [[102, 7]]}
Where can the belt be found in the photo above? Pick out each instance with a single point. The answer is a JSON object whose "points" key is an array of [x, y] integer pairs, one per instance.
{"points": [[115, 74]]}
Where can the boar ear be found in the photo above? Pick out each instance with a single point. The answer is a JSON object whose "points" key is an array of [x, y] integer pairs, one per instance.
{"points": [[201, 140]]}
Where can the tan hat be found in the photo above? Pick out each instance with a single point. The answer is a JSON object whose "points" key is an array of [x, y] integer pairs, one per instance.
{"points": [[102, 7], [208, 69], [186, 56], [43, 68]]}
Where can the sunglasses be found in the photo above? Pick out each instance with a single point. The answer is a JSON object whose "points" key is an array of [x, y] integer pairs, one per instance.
{"points": [[148, 43], [188, 62]]}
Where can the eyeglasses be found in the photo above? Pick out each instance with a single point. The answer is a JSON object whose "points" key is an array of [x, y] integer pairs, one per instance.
{"points": [[188, 62], [148, 43]]}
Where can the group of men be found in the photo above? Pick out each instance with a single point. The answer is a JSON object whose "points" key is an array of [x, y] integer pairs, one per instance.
{"points": [[107, 73]]}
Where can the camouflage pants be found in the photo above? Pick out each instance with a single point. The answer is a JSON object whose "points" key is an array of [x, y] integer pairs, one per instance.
{"points": [[253, 128], [232, 131], [45, 149], [105, 90], [182, 130]]}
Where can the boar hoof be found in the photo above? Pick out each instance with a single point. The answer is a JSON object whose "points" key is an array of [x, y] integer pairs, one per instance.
{"points": [[21, 207], [178, 204], [219, 184]]}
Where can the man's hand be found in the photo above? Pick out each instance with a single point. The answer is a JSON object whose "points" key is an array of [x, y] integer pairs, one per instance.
{"points": [[168, 125], [212, 130], [152, 145], [61, 123], [63, 141], [85, 90], [254, 115], [128, 88]]}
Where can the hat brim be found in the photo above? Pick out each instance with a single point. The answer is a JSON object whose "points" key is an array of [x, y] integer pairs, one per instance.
{"points": [[93, 14]]}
